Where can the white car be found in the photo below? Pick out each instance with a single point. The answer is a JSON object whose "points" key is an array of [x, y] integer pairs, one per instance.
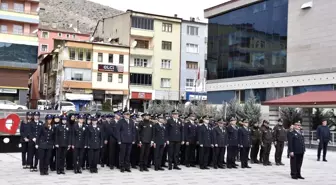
{"points": [[5, 104], [66, 106]]}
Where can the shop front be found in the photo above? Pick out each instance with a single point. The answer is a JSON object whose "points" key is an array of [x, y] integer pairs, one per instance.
{"points": [[80, 97], [118, 99], [139, 100], [196, 96]]}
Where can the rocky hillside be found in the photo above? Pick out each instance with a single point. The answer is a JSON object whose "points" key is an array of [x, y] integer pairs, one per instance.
{"points": [[67, 14]]}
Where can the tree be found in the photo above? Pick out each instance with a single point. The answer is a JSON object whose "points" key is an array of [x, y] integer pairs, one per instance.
{"points": [[318, 116], [289, 115], [107, 106], [234, 109], [200, 108], [252, 109]]}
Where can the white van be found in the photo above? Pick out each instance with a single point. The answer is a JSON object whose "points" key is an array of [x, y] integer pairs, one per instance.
{"points": [[43, 104], [65, 106]]}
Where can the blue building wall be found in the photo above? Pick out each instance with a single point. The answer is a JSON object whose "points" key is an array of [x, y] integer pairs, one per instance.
{"points": [[218, 97]]}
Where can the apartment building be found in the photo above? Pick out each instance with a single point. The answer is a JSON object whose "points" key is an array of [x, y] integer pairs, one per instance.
{"points": [[79, 72], [18, 47], [154, 53]]}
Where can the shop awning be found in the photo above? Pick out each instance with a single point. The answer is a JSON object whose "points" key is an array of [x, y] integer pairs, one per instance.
{"points": [[309, 99], [73, 96]]}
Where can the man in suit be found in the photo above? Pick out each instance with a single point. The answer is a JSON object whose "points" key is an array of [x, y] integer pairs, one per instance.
{"points": [[232, 144], [219, 135], [296, 148], [244, 141], [190, 130], [205, 143], [175, 139], [323, 136], [125, 137], [160, 140], [145, 140]]}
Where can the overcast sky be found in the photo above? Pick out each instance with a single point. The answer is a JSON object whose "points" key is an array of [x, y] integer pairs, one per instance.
{"points": [[189, 8]]}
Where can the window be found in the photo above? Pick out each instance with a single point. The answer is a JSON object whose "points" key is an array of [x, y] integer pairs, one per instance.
{"points": [[67, 35], [80, 54], [77, 76], [120, 78], [100, 57], [110, 77], [192, 48], [4, 29], [121, 59], [59, 34], [45, 34], [73, 36], [18, 29], [18, 7], [18, 53], [165, 82], [141, 79], [4, 6], [88, 55], [99, 77], [142, 23], [192, 65], [166, 45], [166, 27], [192, 30], [140, 62], [142, 44], [110, 60], [288, 91], [190, 83], [165, 64], [72, 53], [44, 48]]}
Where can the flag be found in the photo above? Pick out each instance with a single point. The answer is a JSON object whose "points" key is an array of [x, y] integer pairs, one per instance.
{"points": [[198, 77]]}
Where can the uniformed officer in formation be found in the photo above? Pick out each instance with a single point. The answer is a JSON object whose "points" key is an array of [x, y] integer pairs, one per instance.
{"points": [[266, 138], [78, 143], [160, 141], [255, 136], [94, 142], [35, 127], [296, 148], [62, 143], [145, 140], [190, 130], [205, 143], [232, 148], [24, 138], [111, 139], [244, 142], [220, 140], [280, 137]]}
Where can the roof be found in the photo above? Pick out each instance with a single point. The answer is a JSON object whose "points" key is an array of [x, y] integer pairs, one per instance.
{"points": [[63, 30], [151, 14], [220, 5], [309, 99], [94, 43]]}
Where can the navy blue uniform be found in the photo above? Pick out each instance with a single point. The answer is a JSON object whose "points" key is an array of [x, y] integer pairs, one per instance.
{"points": [[145, 138], [220, 140], [33, 152], [159, 138], [190, 130], [324, 135], [296, 145], [24, 134], [62, 143], [94, 142], [79, 144], [205, 142], [232, 146], [245, 142], [111, 137], [175, 136], [45, 142], [126, 134]]}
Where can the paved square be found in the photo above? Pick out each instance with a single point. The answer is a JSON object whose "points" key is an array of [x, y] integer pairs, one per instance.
{"points": [[316, 173]]}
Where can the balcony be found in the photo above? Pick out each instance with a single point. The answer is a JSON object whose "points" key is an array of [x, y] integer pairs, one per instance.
{"points": [[26, 17], [68, 84], [26, 39], [143, 70], [77, 64], [142, 51], [142, 32]]}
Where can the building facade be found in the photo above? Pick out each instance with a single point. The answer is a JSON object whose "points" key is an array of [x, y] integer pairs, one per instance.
{"points": [[18, 47], [193, 57], [154, 53]]}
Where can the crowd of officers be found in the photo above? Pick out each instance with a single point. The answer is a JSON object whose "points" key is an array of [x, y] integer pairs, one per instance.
{"points": [[123, 140]]}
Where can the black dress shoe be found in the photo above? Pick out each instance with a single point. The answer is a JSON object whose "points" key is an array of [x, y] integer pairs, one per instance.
{"points": [[325, 160], [141, 169], [206, 168], [188, 165], [300, 177], [122, 170], [62, 172], [76, 171], [247, 166], [134, 167], [282, 164], [170, 168], [318, 159], [177, 168], [215, 167], [146, 170], [102, 165], [156, 169], [221, 167], [234, 167], [79, 171], [295, 178], [42, 173], [161, 169], [58, 172], [192, 165], [128, 170], [164, 166]]}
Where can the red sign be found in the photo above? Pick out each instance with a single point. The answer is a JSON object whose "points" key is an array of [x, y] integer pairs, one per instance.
{"points": [[10, 124], [141, 95]]}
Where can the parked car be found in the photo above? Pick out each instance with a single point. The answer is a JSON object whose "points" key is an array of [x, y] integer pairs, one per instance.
{"points": [[5, 104], [65, 106], [43, 104]]}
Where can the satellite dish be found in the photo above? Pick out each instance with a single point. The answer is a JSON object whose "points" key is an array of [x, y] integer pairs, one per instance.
{"points": [[134, 43]]}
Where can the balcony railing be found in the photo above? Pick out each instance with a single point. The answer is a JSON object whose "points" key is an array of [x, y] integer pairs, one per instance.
{"points": [[19, 11], [19, 33]]}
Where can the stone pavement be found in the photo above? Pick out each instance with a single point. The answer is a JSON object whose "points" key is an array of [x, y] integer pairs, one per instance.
{"points": [[316, 173]]}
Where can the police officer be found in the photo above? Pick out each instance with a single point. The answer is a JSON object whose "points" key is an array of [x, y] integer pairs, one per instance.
{"points": [[62, 143], [135, 151], [219, 135], [145, 140], [160, 140], [35, 127], [245, 142], [56, 121], [86, 150], [94, 141], [296, 148], [126, 137], [24, 138], [111, 139], [323, 138], [232, 143], [190, 129], [45, 143], [69, 154], [78, 143], [280, 137], [102, 123], [266, 138], [255, 136], [205, 143], [175, 136]]}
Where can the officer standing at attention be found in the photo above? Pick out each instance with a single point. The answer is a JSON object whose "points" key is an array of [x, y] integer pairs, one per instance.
{"points": [[94, 142], [126, 137], [280, 137], [145, 140], [45, 143], [245, 142], [24, 134], [160, 140], [62, 143], [111, 138], [35, 127], [190, 129], [219, 135], [266, 138], [175, 136], [78, 143], [232, 144], [255, 136], [296, 148], [323, 138], [205, 143]]}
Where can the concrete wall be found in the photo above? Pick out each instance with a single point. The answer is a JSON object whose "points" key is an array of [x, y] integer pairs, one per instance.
{"points": [[311, 35]]}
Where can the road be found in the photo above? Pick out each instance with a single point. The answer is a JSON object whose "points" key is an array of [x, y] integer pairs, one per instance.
{"points": [[316, 173]]}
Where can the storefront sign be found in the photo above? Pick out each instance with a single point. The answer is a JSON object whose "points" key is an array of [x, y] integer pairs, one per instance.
{"points": [[114, 92], [141, 95], [8, 91], [78, 91], [190, 96], [110, 68]]}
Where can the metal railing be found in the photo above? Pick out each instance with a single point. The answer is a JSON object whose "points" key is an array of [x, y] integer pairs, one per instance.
{"points": [[310, 138]]}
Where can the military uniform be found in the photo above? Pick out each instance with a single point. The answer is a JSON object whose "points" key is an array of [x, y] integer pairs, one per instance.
{"points": [[220, 139], [62, 143], [94, 142], [54, 124], [111, 137], [232, 146], [280, 136], [160, 139], [24, 139], [104, 152], [69, 152], [79, 145], [296, 145], [255, 136], [205, 143], [266, 138], [145, 140], [86, 150], [191, 141], [45, 143], [245, 142], [35, 127]]}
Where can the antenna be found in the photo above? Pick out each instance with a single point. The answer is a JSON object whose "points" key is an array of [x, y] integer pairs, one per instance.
{"points": [[134, 43]]}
